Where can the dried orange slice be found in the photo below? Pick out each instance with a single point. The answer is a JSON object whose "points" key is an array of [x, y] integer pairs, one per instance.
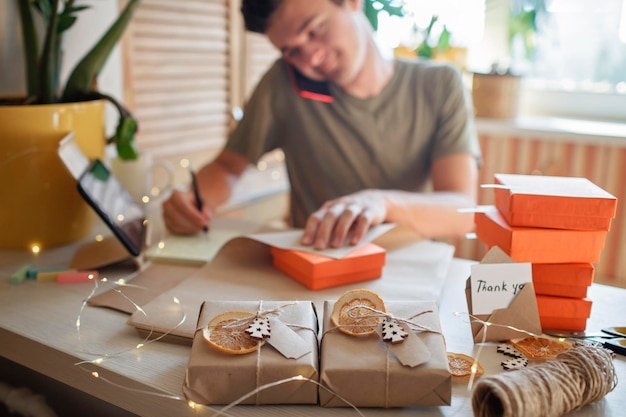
{"points": [[231, 338], [461, 364], [541, 347], [351, 318]]}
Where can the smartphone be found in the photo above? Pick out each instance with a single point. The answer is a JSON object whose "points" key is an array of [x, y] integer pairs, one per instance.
{"points": [[114, 205], [308, 88]]}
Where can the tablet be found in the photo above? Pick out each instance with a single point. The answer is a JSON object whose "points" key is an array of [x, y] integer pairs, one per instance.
{"points": [[115, 206]]}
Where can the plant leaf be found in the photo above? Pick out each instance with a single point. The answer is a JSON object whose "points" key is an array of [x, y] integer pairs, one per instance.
{"points": [[31, 47], [86, 71], [444, 40], [49, 59], [125, 138]]}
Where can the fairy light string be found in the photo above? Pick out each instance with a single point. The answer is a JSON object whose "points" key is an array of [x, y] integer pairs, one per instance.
{"points": [[146, 341], [87, 365], [599, 386], [470, 318]]}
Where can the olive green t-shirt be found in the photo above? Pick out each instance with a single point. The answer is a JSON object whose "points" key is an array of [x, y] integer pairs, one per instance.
{"points": [[384, 142]]}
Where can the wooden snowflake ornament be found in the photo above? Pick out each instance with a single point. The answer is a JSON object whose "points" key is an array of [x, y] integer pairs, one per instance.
{"points": [[509, 350], [392, 331], [259, 328], [514, 363]]}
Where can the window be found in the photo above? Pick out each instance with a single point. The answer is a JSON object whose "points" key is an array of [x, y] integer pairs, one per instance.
{"points": [[578, 65], [581, 46], [579, 68]]}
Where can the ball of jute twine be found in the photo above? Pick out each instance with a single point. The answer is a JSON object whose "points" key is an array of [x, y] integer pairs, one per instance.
{"points": [[579, 376]]}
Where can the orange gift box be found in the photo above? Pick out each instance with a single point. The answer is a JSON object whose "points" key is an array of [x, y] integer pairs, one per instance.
{"points": [[558, 290], [550, 306], [317, 272], [561, 323], [554, 202], [538, 245], [563, 313], [564, 280]]}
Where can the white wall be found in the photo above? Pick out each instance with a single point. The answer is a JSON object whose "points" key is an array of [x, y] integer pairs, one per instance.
{"points": [[90, 26]]}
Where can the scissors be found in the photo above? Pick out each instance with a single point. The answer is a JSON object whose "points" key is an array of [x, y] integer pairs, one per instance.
{"points": [[613, 338]]}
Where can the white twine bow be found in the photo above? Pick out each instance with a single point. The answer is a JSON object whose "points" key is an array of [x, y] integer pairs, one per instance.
{"points": [[259, 314], [387, 316]]}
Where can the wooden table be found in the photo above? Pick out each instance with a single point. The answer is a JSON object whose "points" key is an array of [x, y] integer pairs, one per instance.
{"points": [[41, 347]]}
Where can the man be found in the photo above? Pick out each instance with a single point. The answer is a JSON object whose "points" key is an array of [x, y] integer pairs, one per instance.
{"points": [[396, 143]]}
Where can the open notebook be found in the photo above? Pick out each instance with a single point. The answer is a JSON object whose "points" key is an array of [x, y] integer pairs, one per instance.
{"points": [[190, 250]]}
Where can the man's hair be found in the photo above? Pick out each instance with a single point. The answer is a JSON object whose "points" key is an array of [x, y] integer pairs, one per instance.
{"points": [[257, 13]]}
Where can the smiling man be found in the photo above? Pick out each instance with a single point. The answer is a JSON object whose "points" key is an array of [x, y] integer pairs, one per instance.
{"points": [[366, 139]]}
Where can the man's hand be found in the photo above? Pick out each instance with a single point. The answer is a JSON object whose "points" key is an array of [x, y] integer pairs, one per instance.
{"points": [[349, 217], [181, 215]]}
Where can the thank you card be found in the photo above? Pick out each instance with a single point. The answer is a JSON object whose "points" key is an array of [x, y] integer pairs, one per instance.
{"points": [[494, 286]]}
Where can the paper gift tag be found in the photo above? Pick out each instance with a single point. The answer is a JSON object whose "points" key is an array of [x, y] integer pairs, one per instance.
{"points": [[286, 341], [410, 351]]}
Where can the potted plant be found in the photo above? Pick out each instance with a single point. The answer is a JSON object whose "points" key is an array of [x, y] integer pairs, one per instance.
{"points": [[39, 205], [496, 93]]}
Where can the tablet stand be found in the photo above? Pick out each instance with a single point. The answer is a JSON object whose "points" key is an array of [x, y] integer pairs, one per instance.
{"points": [[106, 252]]}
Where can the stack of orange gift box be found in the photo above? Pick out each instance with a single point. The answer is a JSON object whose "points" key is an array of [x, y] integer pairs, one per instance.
{"points": [[559, 225]]}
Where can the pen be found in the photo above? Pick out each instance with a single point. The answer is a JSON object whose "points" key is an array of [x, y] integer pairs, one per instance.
{"points": [[196, 193]]}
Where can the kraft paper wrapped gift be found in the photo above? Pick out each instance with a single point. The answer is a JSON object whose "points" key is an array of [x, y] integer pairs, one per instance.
{"points": [[554, 202], [317, 272], [538, 245], [213, 377], [366, 372]]}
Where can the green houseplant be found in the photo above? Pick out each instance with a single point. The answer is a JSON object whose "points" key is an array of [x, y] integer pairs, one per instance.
{"points": [[373, 7], [39, 205], [42, 63], [496, 94]]}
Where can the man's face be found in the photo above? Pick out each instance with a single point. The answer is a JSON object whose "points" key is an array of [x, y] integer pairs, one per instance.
{"points": [[320, 38]]}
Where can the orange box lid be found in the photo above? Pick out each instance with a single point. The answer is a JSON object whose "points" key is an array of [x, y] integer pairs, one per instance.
{"points": [[560, 290], [329, 281], [574, 274], [364, 258], [550, 306], [561, 323], [554, 202], [538, 245]]}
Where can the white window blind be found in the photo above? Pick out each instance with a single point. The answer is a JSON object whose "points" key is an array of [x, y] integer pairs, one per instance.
{"points": [[177, 75], [260, 55]]}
